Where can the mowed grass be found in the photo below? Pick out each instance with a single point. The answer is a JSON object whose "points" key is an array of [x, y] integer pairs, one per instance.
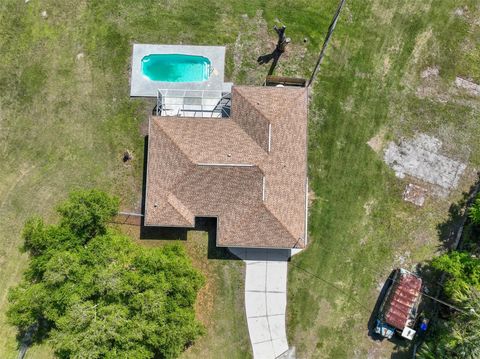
{"points": [[66, 119], [359, 227]]}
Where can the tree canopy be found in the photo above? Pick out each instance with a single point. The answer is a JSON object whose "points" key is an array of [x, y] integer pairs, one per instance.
{"points": [[92, 292], [463, 271], [459, 337]]}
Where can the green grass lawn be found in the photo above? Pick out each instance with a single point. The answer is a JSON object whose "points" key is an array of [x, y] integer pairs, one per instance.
{"points": [[66, 119], [360, 229]]}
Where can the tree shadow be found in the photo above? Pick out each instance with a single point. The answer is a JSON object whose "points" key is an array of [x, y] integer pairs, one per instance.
{"points": [[265, 59], [451, 235], [448, 231], [403, 350]]}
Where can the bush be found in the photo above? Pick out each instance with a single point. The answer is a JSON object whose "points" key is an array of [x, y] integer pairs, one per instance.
{"points": [[474, 211], [464, 274], [94, 293]]}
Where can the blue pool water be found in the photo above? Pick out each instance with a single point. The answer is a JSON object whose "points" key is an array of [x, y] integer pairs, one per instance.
{"points": [[176, 68]]}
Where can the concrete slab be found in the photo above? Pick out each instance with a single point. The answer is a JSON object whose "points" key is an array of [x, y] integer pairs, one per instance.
{"points": [[256, 254], [255, 304], [258, 329], [276, 276], [281, 255], [420, 158], [280, 346], [264, 350], [255, 276], [277, 303], [276, 325], [141, 86]]}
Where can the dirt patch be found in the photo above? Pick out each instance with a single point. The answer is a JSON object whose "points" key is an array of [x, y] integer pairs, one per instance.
{"points": [[247, 48], [368, 206], [312, 196], [419, 50], [420, 44], [432, 71], [415, 194], [377, 142], [324, 313], [384, 14], [255, 38]]}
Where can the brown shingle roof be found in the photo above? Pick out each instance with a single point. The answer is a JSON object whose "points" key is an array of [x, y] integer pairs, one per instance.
{"points": [[249, 171]]}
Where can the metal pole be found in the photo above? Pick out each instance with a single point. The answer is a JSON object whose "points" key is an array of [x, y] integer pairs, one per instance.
{"points": [[327, 39]]}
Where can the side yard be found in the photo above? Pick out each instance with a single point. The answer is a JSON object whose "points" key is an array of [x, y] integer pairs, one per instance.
{"points": [[66, 120], [377, 86]]}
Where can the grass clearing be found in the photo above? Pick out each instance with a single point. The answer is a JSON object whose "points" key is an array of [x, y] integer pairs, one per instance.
{"points": [[359, 227], [66, 119]]}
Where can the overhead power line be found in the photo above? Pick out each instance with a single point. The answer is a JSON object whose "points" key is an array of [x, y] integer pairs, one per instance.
{"points": [[326, 41], [376, 273]]}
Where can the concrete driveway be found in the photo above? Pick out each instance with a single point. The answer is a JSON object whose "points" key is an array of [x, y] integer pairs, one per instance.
{"points": [[266, 300]]}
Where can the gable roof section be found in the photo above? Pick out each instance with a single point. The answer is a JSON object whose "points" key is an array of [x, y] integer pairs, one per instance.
{"points": [[249, 171], [285, 110]]}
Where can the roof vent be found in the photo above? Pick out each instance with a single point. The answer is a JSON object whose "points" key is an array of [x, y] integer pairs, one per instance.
{"points": [[229, 155]]}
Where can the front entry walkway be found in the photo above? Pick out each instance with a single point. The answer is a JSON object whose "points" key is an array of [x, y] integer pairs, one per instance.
{"points": [[266, 300]]}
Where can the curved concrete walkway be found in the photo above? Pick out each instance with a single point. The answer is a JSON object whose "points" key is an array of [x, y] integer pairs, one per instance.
{"points": [[266, 299]]}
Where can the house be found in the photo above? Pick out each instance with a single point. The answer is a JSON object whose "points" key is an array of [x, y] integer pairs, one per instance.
{"points": [[249, 171]]}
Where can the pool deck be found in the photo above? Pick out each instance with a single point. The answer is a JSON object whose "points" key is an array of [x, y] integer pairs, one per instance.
{"points": [[141, 86]]}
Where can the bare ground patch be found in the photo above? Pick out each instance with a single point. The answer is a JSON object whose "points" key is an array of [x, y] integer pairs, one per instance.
{"points": [[377, 142]]}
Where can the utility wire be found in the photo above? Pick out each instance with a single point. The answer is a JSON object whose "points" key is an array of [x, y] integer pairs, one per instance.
{"points": [[350, 296], [376, 273], [326, 41]]}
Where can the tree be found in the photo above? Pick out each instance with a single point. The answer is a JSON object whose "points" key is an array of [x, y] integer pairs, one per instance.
{"points": [[464, 274], [92, 292], [86, 213]]}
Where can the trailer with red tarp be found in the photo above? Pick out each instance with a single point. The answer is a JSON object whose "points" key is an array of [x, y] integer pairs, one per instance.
{"points": [[399, 309]]}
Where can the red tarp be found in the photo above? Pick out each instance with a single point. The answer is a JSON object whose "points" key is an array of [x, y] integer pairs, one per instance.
{"points": [[403, 298]]}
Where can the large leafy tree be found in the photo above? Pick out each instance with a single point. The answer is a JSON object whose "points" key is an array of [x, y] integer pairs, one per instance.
{"points": [[92, 292]]}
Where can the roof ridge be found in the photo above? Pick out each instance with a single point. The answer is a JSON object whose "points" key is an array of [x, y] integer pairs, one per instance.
{"points": [[182, 210], [254, 107]]}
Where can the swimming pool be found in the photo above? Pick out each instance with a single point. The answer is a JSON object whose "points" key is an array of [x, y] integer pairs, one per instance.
{"points": [[176, 68]]}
